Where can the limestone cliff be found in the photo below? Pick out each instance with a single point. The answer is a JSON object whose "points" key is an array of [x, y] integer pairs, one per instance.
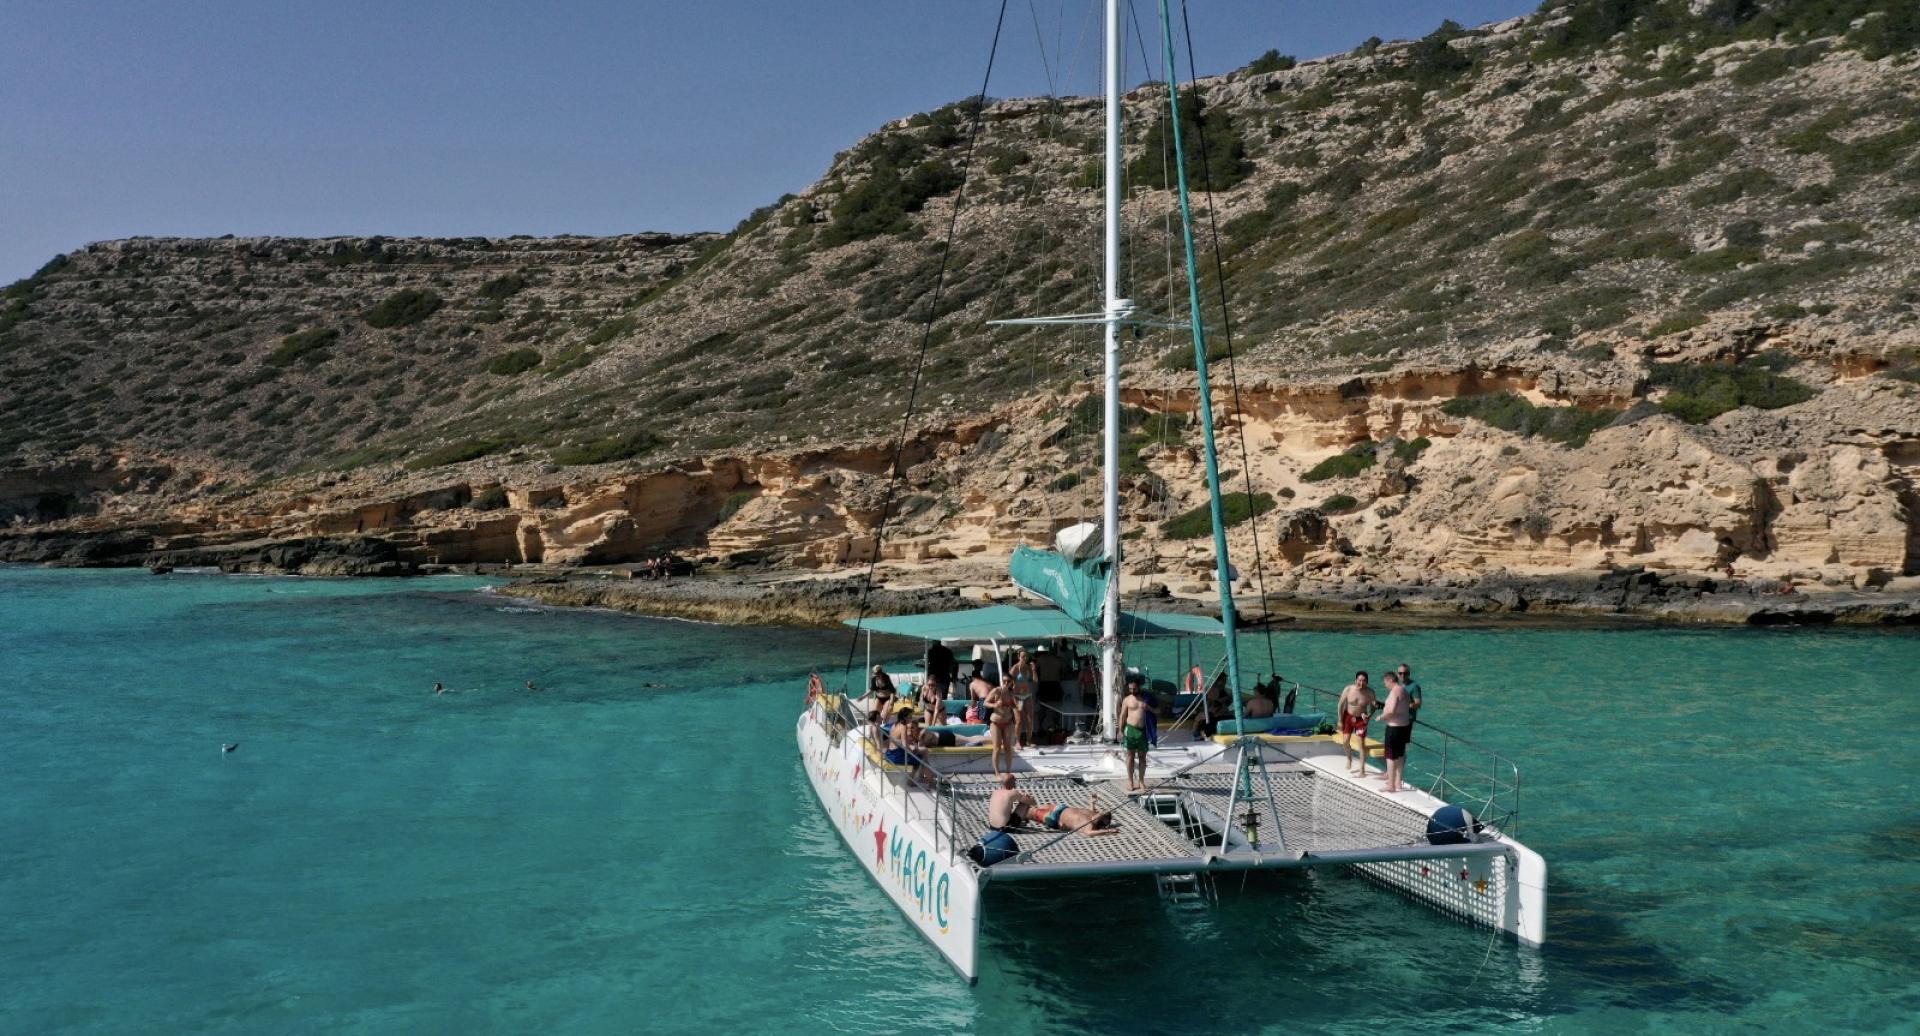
{"points": [[1580, 290]]}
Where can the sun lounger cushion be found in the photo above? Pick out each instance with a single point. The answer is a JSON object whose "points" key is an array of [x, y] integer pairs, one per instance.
{"points": [[962, 729], [1282, 724]]}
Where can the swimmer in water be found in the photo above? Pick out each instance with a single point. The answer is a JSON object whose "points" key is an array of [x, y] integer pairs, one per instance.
{"points": [[438, 689]]}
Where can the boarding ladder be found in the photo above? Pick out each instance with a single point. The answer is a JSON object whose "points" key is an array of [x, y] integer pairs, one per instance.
{"points": [[1192, 889]]}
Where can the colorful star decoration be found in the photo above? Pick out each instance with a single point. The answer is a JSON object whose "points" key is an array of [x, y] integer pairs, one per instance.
{"points": [[880, 844]]}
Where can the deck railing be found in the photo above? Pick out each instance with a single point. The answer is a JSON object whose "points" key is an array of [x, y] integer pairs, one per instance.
{"points": [[1450, 767], [846, 721]]}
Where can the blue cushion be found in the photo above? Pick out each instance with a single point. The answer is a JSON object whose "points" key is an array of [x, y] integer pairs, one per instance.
{"points": [[1284, 723], [957, 706], [962, 729]]}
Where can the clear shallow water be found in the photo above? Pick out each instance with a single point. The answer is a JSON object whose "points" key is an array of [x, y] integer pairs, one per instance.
{"points": [[1730, 818]]}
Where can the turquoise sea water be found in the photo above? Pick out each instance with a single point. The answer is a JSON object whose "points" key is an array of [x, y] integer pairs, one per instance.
{"points": [[1730, 818]]}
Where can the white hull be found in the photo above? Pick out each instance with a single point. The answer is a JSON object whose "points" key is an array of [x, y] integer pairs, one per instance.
{"points": [[1333, 819], [891, 833]]}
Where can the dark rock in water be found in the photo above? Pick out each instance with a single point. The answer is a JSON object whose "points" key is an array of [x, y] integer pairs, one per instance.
{"points": [[313, 556], [119, 548], [160, 568]]}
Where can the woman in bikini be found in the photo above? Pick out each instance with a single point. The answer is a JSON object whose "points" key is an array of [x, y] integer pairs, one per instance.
{"points": [[933, 700], [1001, 716], [1025, 682]]}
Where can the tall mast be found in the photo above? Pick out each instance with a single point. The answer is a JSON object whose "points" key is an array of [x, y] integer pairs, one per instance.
{"points": [[1223, 570], [1117, 310]]}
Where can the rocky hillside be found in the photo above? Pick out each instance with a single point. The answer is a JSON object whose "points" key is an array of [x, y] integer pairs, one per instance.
{"points": [[1630, 281]]}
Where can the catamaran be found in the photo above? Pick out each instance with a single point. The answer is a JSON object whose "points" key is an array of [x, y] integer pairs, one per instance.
{"points": [[1223, 794]]}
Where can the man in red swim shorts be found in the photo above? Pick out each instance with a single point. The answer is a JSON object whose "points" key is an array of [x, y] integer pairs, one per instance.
{"points": [[1357, 705]]}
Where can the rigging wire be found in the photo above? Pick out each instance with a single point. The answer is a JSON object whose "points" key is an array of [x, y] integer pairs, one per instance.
{"points": [[1226, 322], [926, 344]]}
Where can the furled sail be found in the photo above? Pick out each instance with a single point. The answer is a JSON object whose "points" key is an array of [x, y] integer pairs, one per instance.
{"points": [[1076, 587]]}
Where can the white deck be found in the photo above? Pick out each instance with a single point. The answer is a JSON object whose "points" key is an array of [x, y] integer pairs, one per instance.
{"points": [[1305, 811]]}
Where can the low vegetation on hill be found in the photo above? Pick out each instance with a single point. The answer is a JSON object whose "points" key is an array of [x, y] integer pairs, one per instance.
{"points": [[1606, 174]]}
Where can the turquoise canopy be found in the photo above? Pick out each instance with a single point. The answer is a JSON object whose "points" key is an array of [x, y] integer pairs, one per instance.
{"points": [[1008, 622], [1078, 588]]}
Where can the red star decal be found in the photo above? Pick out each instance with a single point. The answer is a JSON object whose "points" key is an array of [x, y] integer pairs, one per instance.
{"points": [[856, 770], [880, 844]]}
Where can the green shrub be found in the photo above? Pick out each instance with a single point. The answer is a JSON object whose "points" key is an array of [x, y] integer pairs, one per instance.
{"points": [[503, 287], [1067, 480], [1569, 426], [1432, 61], [404, 308], [1721, 260], [602, 451], [1210, 141], [516, 361], [1234, 509], [1905, 208], [1180, 357], [733, 503], [1339, 503], [612, 329], [303, 345], [899, 183], [1342, 465], [1743, 183], [1271, 61], [456, 453], [492, 498], [1674, 323], [1409, 451], [1698, 393]]}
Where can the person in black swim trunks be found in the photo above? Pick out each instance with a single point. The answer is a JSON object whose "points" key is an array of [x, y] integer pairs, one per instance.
{"points": [[1071, 818]]}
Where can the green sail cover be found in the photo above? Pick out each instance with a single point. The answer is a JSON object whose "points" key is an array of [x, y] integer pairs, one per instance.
{"points": [[1078, 588]]}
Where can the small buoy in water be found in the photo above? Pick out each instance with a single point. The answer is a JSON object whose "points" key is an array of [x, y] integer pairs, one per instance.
{"points": [[228, 748], [1451, 825]]}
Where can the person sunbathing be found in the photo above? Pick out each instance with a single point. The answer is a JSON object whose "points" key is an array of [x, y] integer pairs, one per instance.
{"points": [[1071, 818]]}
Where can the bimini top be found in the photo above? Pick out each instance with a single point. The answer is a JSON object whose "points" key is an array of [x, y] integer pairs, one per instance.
{"points": [[1013, 623]]}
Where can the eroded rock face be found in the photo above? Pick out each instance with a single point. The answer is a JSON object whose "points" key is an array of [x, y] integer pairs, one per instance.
{"points": [[1822, 491]]}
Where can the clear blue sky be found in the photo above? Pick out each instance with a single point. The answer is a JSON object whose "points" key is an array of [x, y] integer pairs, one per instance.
{"points": [[313, 117]]}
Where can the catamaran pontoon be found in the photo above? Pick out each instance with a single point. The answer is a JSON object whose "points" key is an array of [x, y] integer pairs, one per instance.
{"points": [[1270, 793]]}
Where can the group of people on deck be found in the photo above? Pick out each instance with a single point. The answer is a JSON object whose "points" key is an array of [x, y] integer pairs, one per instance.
{"points": [[1358, 703], [903, 724]]}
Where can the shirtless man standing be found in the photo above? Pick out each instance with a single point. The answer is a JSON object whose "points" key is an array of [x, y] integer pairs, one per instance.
{"points": [[1133, 719], [1398, 715], [978, 687], [1357, 703]]}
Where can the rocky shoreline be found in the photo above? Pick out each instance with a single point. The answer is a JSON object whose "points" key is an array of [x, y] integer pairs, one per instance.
{"points": [[736, 600], [1638, 594], [786, 597]]}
